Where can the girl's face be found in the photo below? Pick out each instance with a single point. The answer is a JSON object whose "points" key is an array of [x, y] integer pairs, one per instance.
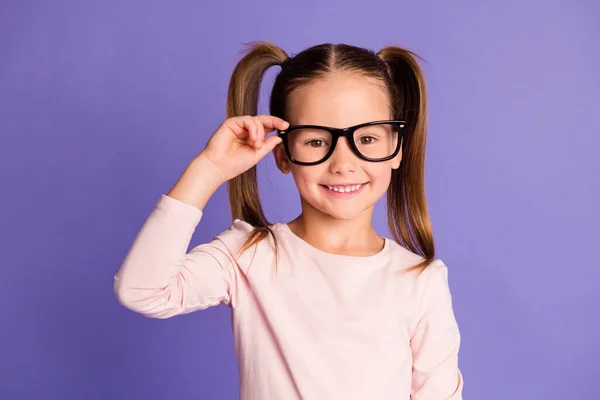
{"points": [[340, 100]]}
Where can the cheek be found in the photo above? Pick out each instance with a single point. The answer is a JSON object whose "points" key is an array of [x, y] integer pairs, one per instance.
{"points": [[305, 176], [380, 175]]}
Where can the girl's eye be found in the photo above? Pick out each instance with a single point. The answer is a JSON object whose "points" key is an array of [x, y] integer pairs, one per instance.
{"points": [[367, 140], [316, 143]]}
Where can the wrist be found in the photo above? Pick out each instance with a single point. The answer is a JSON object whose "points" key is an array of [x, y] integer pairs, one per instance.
{"points": [[206, 171], [198, 183]]}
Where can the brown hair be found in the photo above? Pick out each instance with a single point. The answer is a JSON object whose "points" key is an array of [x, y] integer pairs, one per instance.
{"points": [[397, 70]]}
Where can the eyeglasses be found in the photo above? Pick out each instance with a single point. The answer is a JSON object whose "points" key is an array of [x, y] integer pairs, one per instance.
{"points": [[372, 141]]}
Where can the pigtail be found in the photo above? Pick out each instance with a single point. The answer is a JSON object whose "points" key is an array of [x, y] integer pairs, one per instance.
{"points": [[408, 217], [242, 99]]}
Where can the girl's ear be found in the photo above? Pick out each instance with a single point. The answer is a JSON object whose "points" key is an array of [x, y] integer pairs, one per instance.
{"points": [[281, 159], [396, 160]]}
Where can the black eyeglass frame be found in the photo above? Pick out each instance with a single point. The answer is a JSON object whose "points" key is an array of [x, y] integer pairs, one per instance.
{"points": [[348, 133]]}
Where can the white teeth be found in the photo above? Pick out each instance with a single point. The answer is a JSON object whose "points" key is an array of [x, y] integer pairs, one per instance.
{"points": [[344, 189]]}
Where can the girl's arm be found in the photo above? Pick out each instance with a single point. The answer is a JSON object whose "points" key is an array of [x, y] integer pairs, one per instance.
{"points": [[436, 339], [158, 278]]}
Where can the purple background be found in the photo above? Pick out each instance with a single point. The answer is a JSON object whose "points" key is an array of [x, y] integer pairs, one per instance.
{"points": [[103, 104]]}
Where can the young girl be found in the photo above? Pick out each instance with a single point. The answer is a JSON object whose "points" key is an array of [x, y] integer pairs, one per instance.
{"points": [[322, 306]]}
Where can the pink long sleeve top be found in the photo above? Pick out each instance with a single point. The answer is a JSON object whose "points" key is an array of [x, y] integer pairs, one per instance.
{"points": [[320, 326]]}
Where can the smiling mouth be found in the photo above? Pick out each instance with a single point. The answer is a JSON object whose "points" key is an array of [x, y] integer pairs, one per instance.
{"points": [[345, 188]]}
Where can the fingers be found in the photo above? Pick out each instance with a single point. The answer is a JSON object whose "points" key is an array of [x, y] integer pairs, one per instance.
{"points": [[255, 128], [243, 127], [266, 124], [271, 123], [252, 127], [260, 134], [268, 145]]}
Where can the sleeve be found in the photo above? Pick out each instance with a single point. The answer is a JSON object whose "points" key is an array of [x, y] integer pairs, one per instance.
{"points": [[158, 279], [435, 340]]}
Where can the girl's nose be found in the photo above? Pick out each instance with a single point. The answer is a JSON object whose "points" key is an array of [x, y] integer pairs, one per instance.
{"points": [[343, 159]]}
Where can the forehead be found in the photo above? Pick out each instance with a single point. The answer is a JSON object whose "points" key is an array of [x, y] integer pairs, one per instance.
{"points": [[340, 100]]}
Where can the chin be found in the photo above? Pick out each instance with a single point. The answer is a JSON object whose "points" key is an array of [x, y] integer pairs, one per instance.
{"points": [[346, 217], [340, 212]]}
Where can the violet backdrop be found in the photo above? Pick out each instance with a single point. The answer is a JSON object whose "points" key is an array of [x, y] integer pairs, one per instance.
{"points": [[103, 104]]}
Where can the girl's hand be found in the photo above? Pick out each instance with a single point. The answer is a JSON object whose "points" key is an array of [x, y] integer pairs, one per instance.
{"points": [[239, 143]]}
